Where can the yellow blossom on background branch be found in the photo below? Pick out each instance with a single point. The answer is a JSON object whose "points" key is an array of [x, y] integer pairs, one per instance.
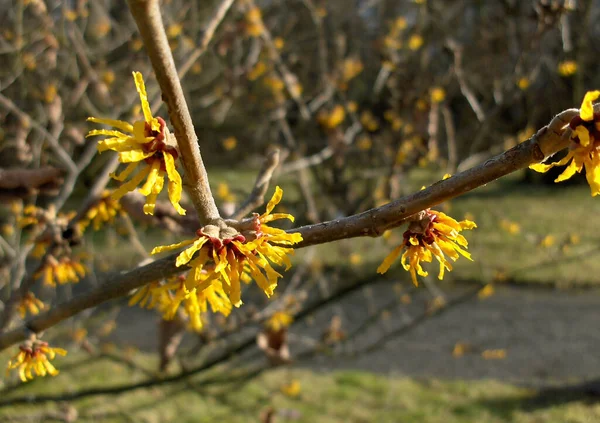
{"points": [[34, 356]]}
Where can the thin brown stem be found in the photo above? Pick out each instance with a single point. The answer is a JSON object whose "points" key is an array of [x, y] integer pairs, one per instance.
{"points": [[149, 21]]}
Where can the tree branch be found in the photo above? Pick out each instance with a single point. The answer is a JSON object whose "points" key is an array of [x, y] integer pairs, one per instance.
{"points": [[149, 21], [547, 141]]}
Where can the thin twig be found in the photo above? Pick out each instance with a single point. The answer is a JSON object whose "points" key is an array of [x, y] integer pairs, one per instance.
{"points": [[257, 196]]}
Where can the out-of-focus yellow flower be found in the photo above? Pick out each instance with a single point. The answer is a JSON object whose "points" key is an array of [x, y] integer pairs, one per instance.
{"points": [[574, 239], [437, 94], [50, 93], [254, 22], [30, 304], [512, 228], [523, 83], [548, 241], [291, 389], [238, 250], [108, 77], [102, 28], [321, 12], [144, 141], [70, 15], [279, 43], [224, 193], [102, 211], [34, 356], [257, 71], [399, 23], [583, 151], [498, 354], [229, 143], [352, 106], [434, 235], [279, 320], [369, 121], [196, 68], [461, 348], [355, 259], [486, 292], [61, 271], [136, 44], [351, 68], [167, 299], [567, 68], [332, 119], [174, 30], [29, 61], [415, 42], [364, 142]]}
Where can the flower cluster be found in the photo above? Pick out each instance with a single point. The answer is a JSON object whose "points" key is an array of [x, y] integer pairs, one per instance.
{"points": [[432, 233], [223, 255], [30, 303], [146, 141], [61, 271], [34, 355], [102, 211], [584, 149], [168, 297]]}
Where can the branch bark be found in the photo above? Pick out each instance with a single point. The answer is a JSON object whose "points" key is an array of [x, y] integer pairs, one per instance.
{"points": [[149, 21], [546, 142]]}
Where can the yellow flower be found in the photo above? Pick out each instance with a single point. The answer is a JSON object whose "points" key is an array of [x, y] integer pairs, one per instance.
{"points": [[279, 43], [332, 119], [232, 251], [62, 271], [567, 68], [584, 148], [292, 389], [254, 22], [103, 211], [279, 320], [523, 83], [438, 94], [229, 143], [415, 42], [29, 303], [144, 141], [36, 356], [168, 297], [434, 234]]}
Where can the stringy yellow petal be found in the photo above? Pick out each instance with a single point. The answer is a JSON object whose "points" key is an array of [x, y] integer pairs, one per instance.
{"points": [[587, 108]]}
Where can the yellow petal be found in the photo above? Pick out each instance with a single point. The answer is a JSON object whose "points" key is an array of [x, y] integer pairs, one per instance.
{"points": [[387, 262], [152, 177], [134, 156], [568, 172], [274, 200], [126, 172], [583, 135], [175, 185], [188, 253], [587, 109], [119, 124], [162, 248], [131, 184], [141, 89]]}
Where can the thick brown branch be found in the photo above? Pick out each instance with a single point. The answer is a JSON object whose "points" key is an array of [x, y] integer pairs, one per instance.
{"points": [[544, 143], [149, 21]]}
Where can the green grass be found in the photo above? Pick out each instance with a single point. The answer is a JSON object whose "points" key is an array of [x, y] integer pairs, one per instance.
{"points": [[346, 396]]}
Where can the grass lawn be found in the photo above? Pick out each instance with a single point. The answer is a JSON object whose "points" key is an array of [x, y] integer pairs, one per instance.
{"points": [[347, 396]]}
